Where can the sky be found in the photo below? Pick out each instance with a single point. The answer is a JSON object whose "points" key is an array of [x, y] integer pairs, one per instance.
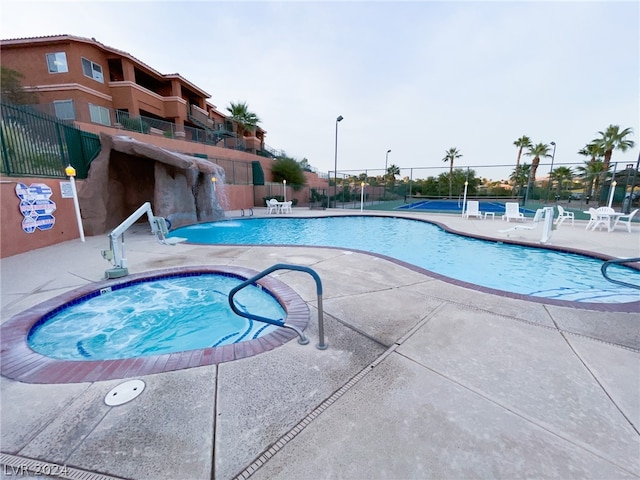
{"points": [[413, 77]]}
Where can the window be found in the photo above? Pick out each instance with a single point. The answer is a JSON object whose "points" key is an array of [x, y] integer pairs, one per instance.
{"points": [[57, 62], [99, 115], [92, 70], [64, 109]]}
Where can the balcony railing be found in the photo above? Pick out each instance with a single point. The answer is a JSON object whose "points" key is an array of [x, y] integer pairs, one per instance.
{"points": [[88, 113]]}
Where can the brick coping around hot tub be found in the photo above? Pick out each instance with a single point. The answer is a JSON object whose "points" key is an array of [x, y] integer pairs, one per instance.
{"points": [[19, 362]]}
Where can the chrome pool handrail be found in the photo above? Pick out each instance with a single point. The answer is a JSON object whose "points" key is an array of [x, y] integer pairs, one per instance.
{"points": [[280, 323]]}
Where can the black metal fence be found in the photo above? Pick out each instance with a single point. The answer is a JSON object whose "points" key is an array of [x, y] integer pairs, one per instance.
{"points": [[34, 144]]}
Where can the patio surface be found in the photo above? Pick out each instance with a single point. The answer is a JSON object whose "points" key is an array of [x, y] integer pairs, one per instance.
{"points": [[422, 378]]}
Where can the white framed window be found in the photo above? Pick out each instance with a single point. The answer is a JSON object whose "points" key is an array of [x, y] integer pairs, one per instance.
{"points": [[99, 115], [64, 109], [57, 62], [92, 70]]}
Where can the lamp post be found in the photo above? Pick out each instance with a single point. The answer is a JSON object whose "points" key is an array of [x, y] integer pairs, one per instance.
{"points": [[213, 182], [612, 190], [361, 195], [553, 156], [284, 189], [71, 173], [335, 167], [464, 200], [384, 176]]}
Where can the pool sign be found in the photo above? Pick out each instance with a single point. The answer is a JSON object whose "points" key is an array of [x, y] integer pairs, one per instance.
{"points": [[36, 206]]}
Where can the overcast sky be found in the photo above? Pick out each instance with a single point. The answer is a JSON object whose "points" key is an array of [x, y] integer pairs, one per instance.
{"points": [[416, 77]]}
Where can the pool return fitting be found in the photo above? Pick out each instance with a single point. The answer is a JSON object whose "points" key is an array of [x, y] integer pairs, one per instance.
{"points": [[303, 340], [115, 254]]}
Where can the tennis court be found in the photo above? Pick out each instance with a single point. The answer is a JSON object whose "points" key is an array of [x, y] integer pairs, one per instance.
{"points": [[455, 206]]}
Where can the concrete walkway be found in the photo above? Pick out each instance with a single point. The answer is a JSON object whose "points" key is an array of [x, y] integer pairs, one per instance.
{"points": [[422, 378]]}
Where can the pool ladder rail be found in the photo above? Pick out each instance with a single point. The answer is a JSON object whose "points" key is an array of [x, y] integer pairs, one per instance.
{"points": [[115, 253], [608, 263], [303, 340]]}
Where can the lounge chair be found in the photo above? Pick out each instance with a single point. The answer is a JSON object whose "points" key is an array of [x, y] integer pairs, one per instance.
{"points": [[530, 226], [626, 220], [512, 211], [472, 210], [563, 215]]}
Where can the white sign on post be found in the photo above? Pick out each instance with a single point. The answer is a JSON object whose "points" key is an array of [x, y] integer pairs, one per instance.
{"points": [[66, 191]]}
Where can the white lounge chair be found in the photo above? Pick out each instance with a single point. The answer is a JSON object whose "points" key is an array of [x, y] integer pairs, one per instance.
{"points": [[563, 215], [626, 220], [529, 226], [472, 210], [512, 211]]}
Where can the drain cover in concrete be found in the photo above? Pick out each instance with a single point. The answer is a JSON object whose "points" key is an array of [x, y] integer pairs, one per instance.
{"points": [[125, 392]]}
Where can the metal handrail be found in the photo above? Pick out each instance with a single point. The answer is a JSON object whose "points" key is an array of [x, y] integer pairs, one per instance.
{"points": [[280, 323], [606, 264]]}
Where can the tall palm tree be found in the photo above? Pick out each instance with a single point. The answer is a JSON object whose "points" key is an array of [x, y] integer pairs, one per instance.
{"points": [[561, 174], [536, 151], [521, 143], [391, 172], [594, 166], [520, 176], [614, 139], [592, 170], [450, 156], [245, 119]]}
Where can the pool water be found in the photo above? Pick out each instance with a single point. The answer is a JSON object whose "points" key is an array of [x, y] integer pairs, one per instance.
{"points": [[154, 317], [511, 268]]}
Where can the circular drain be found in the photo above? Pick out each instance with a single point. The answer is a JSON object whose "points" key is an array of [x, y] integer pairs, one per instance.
{"points": [[123, 393]]}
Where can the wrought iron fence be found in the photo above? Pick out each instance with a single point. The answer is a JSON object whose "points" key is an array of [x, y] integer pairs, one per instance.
{"points": [[36, 144]]}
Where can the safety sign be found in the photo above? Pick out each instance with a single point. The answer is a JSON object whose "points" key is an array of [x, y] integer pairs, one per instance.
{"points": [[36, 206]]}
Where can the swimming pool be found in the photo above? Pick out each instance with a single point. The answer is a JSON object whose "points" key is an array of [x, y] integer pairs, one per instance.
{"points": [[500, 267], [21, 362]]}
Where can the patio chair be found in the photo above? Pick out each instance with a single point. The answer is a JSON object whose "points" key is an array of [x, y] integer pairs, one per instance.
{"points": [[272, 206], [601, 218], [626, 220], [286, 207], [512, 211], [563, 215], [472, 210]]}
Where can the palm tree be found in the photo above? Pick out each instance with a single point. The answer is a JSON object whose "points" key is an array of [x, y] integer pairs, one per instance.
{"points": [[450, 156], [595, 152], [392, 171], [520, 176], [522, 142], [246, 120], [591, 172], [613, 139], [561, 174], [536, 151]]}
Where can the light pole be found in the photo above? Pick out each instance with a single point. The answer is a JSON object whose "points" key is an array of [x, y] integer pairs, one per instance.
{"points": [[384, 176], [361, 195], [553, 156], [71, 173], [335, 167], [284, 190]]}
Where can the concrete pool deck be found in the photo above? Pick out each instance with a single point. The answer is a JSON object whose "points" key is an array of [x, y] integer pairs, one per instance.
{"points": [[422, 378]]}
